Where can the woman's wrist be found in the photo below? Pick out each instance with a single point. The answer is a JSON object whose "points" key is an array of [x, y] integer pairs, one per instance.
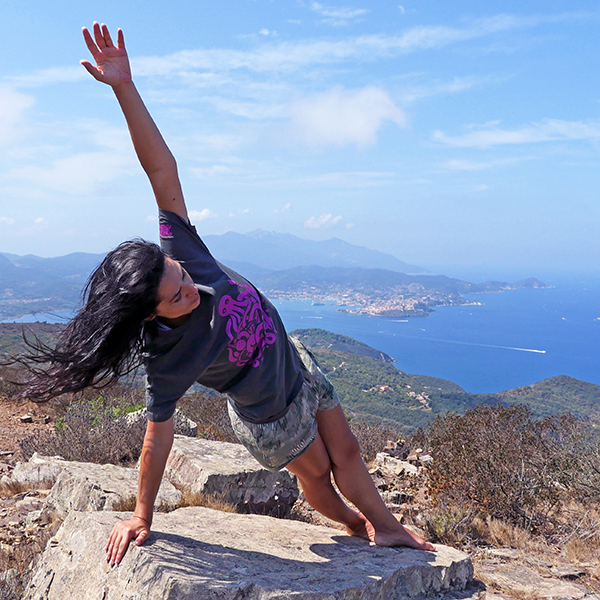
{"points": [[146, 522]]}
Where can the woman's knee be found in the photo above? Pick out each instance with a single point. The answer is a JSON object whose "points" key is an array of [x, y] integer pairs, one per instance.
{"points": [[314, 463], [346, 451]]}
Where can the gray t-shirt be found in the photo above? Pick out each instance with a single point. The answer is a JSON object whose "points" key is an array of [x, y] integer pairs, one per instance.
{"points": [[233, 342]]}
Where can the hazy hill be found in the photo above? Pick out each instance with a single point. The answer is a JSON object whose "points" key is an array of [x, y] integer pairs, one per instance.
{"points": [[276, 251]]}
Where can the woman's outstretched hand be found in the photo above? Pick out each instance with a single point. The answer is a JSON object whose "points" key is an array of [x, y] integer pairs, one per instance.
{"points": [[112, 63], [123, 532]]}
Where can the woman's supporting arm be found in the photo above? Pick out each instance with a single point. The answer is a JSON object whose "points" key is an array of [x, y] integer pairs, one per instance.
{"points": [[112, 68], [155, 451]]}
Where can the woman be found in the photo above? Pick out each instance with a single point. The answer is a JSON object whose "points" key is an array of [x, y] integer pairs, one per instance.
{"points": [[192, 319]]}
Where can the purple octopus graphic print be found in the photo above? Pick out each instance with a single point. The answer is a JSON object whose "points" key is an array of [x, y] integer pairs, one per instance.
{"points": [[249, 327]]}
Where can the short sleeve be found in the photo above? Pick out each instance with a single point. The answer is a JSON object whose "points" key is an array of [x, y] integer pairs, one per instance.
{"points": [[180, 240]]}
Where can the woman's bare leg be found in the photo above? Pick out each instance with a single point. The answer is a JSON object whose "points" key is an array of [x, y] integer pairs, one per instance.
{"points": [[353, 479], [313, 469]]}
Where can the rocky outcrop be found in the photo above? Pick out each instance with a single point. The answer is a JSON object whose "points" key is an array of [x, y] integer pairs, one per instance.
{"points": [[91, 487], [230, 473], [394, 466], [39, 471], [85, 486], [201, 553], [181, 424], [510, 573]]}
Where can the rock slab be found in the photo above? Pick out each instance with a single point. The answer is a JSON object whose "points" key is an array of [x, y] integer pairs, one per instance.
{"points": [[88, 486], [228, 472], [201, 553]]}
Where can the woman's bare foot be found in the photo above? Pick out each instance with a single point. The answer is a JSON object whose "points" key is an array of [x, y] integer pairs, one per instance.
{"points": [[363, 529], [402, 537]]}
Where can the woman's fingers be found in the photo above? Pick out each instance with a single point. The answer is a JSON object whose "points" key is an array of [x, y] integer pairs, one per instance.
{"points": [[120, 536], [89, 42], [120, 39], [91, 69], [106, 36], [100, 42], [142, 537]]}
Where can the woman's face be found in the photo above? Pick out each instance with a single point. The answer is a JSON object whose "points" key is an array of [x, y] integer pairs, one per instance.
{"points": [[177, 294]]}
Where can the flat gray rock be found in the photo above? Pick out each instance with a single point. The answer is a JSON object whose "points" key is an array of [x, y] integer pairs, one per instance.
{"points": [[39, 471], [198, 553], [88, 486], [228, 472]]}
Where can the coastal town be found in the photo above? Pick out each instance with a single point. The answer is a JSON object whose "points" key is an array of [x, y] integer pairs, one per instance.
{"points": [[401, 301]]}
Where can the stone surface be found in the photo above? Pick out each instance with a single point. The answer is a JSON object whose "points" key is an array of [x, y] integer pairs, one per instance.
{"points": [[198, 553], [230, 473], [521, 581], [39, 470], [91, 487], [394, 465], [183, 425]]}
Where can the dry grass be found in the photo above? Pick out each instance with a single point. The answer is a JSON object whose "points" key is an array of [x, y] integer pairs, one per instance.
{"points": [[91, 430], [10, 488], [373, 439], [191, 498], [15, 562]]}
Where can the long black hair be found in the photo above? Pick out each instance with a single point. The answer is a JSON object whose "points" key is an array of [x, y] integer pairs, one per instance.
{"points": [[104, 340]]}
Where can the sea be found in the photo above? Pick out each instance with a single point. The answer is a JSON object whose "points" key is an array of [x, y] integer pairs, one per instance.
{"points": [[514, 338]]}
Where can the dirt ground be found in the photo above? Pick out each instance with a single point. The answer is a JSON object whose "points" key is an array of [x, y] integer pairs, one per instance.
{"points": [[15, 426]]}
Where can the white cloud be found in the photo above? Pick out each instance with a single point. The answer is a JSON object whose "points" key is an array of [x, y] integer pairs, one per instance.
{"points": [[325, 221], [151, 218], [548, 130], [285, 208], [13, 105], [481, 187], [401, 9], [53, 75], [468, 165], [338, 15], [201, 215], [288, 56], [7, 220], [205, 172], [340, 117], [39, 221], [77, 174]]}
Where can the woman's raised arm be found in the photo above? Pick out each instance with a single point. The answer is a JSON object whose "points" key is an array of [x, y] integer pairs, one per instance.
{"points": [[112, 68]]}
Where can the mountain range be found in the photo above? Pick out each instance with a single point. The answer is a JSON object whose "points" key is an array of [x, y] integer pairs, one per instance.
{"points": [[280, 264]]}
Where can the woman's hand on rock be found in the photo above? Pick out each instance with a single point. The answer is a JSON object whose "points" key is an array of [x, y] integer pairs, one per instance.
{"points": [[136, 528]]}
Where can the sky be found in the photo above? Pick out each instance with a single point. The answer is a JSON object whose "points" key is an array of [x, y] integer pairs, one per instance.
{"points": [[450, 134]]}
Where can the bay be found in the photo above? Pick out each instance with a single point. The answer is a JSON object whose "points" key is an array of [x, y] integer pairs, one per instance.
{"points": [[514, 338]]}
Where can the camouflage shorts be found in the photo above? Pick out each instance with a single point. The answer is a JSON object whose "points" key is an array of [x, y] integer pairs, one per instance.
{"points": [[276, 444]]}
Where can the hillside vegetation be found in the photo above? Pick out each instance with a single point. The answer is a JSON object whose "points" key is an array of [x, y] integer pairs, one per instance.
{"points": [[369, 384], [366, 384]]}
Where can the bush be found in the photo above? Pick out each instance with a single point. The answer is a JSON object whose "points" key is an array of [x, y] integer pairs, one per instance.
{"points": [[372, 439], [501, 462], [92, 430], [209, 410]]}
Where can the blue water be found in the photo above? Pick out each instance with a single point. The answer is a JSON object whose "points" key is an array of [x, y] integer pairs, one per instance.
{"points": [[515, 338]]}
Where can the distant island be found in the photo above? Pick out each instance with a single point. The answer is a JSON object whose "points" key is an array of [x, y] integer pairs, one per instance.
{"points": [[379, 292], [354, 278]]}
